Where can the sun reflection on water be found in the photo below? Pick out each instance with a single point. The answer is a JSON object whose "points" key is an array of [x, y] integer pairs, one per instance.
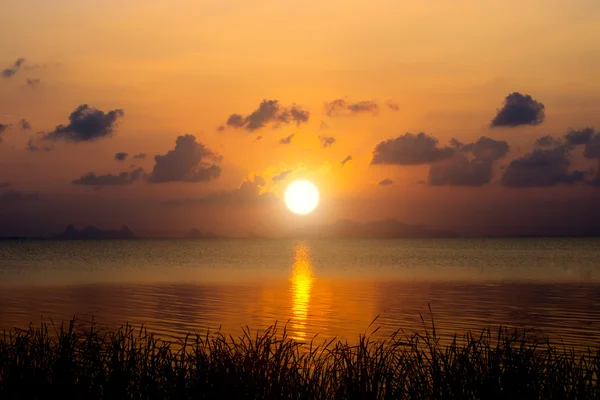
{"points": [[302, 279]]}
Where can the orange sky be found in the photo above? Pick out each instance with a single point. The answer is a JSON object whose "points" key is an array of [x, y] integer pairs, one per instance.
{"points": [[184, 66]]}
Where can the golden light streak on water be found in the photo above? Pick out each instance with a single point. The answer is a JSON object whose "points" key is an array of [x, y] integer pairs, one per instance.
{"points": [[302, 279]]}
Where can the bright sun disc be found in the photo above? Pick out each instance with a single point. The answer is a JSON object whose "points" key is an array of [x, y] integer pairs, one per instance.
{"points": [[301, 197]]}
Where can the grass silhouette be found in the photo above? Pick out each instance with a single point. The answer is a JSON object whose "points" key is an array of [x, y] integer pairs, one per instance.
{"points": [[128, 363]]}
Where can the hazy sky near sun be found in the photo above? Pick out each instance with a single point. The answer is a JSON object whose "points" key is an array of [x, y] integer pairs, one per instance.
{"points": [[153, 71]]}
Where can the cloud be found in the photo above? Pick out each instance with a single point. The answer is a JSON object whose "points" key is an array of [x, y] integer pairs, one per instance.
{"points": [[363, 106], [392, 106], [298, 115], [31, 146], [326, 141], [592, 148], [236, 121], [345, 160], [386, 182], [489, 149], [518, 110], [4, 185], [185, 163], [282, 175], [269, 111], [12, 197], [340, 107], [124, 178], [139, 156], [458, 145], [579, 137], [410, 149], [25, 125], [11, 71], [541, 167], [249, 192], [35, 82], [121, 156], [86, 124], [462, 171], [287, 139], [257, 139], [548, 141]]}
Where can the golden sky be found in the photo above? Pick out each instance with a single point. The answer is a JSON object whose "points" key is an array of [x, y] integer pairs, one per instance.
{"points": [[183, 67]]}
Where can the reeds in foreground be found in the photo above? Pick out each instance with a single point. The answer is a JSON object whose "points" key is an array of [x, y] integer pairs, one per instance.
{"points": [[50, 361]]}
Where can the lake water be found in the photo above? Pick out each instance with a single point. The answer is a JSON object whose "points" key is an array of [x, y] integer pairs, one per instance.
{"points": [[330, 287]]}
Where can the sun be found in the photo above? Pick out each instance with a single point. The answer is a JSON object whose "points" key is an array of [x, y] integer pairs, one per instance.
{"points": [[301, 197]]}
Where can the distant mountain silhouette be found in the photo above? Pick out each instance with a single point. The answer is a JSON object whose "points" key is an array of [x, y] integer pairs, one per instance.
{"points": [[196, 234], [388, 228], [92, 232]]}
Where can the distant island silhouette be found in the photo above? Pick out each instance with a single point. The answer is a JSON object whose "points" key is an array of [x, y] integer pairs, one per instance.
{"points": [[346, 228], [91, 232]]}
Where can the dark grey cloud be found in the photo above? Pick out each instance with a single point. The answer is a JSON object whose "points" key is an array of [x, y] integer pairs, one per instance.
{"points": [[541, 167], [364, 106], [121, 156], [86, 124], [185, 163], [518, 110], [571, 138], [458, 145], [340, 107], [410, 149], [25, 125], [392, 106], [139, 156], [124, 178], [489, 149], [326, 141], [287, 139], [12, 70], [282, 175], [386, 182], [33, 82], [592, 147], [249, 192], [33, 147], [345, 160], [14, 197], [592, 151], [236, 121], [579, 137], [462, 171], [298, 115], [548, 141], [268, 112]]}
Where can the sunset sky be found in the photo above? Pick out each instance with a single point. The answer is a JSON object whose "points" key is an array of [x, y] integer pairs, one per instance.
{"points": [[480, 117]]}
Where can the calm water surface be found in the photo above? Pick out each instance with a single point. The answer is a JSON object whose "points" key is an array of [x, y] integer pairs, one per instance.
{"points": [[334, 288]]}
